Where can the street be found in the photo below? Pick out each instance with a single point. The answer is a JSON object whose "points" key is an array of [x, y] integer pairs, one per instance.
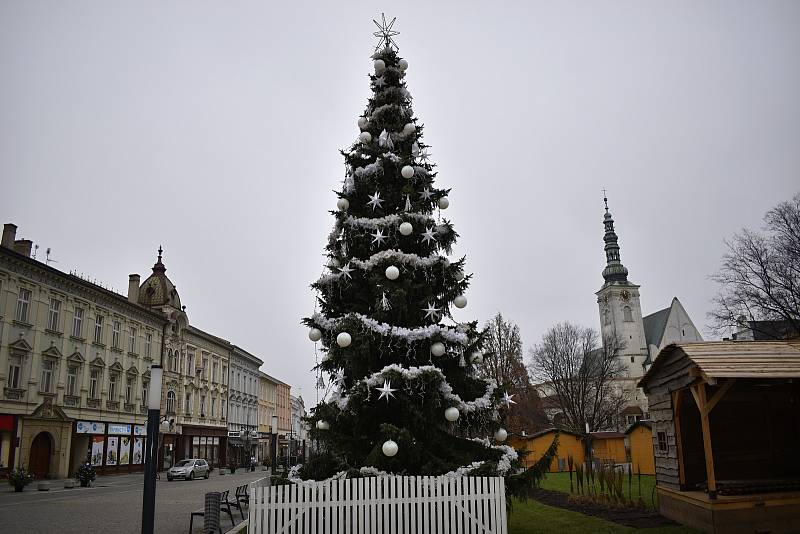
{"points": [[114, 505]]}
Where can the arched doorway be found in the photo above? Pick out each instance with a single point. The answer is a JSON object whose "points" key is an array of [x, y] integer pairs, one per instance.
{"points": [[39, 463]]}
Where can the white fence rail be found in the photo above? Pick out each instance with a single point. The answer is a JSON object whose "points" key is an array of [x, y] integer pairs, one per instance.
{"points": [[385, 505]]}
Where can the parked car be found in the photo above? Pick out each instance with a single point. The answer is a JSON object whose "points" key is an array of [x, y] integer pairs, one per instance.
{"points": [[189, 469]]}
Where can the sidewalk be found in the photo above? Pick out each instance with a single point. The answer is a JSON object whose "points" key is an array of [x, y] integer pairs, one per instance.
{"points": [[105, 481]]}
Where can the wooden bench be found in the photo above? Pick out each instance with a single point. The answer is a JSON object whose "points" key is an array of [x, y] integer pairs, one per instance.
{"points": [[242, 496], [224, 506]]}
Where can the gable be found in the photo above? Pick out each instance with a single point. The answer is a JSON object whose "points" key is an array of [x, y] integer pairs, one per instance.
{"points": [[20, 345], [76, 357], [99, 362], [52, 351], [116, 366], [654, 325]]}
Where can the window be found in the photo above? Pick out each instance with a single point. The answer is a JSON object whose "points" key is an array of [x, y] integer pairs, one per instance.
{"points": [[98, 329], [115, 328], [132, 340], [202, 405], [148, 343], [170, 402], [626, 314], [14, 371], [47, 376], [189, 362], [52, 315], [222, 409], [94, 376], [145, 385], [214, 369], [633, 360], [662, 441], [77, 323], [188, 405], [224, 374], [128, 389], [205, 368], [213, 406], [72, 380], [112, 387], [23, 305]]}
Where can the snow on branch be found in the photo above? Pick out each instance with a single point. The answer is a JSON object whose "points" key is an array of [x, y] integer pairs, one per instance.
{"points": [[383, 329]]}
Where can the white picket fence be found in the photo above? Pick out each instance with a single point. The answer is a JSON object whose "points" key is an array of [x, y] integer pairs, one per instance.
{"points": [[385, 505]]}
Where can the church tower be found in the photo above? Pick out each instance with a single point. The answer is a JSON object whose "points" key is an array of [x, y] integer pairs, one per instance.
{"points": [[618, 302]]}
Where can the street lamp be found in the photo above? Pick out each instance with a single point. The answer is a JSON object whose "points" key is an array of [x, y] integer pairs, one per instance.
{"points": [[151, 454]]}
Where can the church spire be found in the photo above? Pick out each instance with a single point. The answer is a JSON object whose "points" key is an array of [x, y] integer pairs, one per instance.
{"points": [[159, 266], [614, 271]]}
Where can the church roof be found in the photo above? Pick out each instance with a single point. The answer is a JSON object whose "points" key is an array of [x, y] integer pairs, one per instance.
{"points": [[654, 326]]}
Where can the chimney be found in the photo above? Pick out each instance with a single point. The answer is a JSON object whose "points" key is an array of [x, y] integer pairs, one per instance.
{"points": [[133, 288], [9, 234], [23, 246]]}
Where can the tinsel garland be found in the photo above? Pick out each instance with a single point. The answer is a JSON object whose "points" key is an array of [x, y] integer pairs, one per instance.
{"points": [[386, 330]]}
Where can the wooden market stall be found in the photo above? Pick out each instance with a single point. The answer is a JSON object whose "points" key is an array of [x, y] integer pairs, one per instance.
{"points": [[536, 444], [726, 434]]}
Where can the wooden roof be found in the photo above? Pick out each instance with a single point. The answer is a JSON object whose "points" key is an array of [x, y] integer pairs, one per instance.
{"points": [[736, 359]]}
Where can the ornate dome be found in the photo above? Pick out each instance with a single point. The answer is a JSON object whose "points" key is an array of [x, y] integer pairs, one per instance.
{"points": [[158, 290]]}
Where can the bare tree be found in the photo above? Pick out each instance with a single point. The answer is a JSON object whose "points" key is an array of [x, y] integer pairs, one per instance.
{"points": [[760, 273], [580, 375], [506, 366]]}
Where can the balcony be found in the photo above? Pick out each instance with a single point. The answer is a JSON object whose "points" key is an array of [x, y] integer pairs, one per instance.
{"points": [[72, 400], [112, 405], [128, 407], [14, 393], [93, 403]]}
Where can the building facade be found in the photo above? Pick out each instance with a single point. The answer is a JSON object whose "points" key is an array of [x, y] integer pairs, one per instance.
{"points": [[74, 369], [267, 408], [245, 385], [194, 393]]}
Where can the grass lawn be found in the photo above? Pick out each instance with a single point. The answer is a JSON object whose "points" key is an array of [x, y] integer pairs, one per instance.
{"points": [[560, 482], [533, 517]]}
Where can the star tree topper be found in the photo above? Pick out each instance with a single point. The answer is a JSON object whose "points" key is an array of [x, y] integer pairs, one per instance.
{"points": [[385, 33]]}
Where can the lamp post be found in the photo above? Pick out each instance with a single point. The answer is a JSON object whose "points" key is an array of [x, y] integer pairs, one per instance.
{"points": [[274, 443], [151, 454]]}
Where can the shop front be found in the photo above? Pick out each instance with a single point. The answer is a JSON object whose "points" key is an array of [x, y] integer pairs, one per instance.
{"points": [[207, 443], [109, 447], [8, 443], [243, 445]]}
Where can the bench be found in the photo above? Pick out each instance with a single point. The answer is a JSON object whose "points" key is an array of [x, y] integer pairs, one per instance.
{"points": [[242, 496], [235, 503], [224, 506]]}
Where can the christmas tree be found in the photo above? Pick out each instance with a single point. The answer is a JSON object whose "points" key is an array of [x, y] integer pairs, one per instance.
{"points": [[406, 398]]}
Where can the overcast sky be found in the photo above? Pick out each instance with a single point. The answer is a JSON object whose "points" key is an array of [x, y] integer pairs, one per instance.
{"points": [[213, 129]]}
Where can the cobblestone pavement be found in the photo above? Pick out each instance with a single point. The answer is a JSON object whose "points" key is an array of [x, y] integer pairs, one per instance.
{"points": [[114, 505]]}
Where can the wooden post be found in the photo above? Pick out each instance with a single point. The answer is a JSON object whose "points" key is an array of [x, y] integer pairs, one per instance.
{"points": [[677, 398], [699, 393]]}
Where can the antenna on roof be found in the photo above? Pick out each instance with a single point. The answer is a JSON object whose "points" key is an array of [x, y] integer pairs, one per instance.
{"points": [[35, 250], [47, 261]]}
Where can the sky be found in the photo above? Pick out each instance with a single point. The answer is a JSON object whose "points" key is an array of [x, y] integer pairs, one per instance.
{"points": [[213, 129]]}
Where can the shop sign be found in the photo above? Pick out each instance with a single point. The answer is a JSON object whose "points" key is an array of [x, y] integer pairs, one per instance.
{"points": [[234, 433], [114, 428], [140, 430], [89, 427]]}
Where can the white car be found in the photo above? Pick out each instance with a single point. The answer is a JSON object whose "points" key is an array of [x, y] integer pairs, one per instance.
{"points": [[189, 469]]}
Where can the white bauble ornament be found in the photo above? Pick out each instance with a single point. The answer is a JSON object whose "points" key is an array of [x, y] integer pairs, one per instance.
{"points": [[343, 204], [380, 66], [389, 448], [365, 137], [392, 272], [323, 425], [362, 123], [314, 334], [451, 414], [444, 203], [409, 128], [437, 349], [459, 275], [501, 435], [476, 357], [402, 64], [344, 339], [460, 301], [407, 171], [406, 228]]}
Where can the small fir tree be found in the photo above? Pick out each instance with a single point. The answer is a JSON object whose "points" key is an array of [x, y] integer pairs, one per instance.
{"points": [[407, 398]]}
